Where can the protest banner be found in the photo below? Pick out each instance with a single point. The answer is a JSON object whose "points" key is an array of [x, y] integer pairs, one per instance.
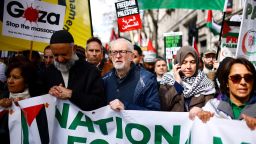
{"points": [[221, 131], [229, 39], [68, 124], [128, 15], [42, 17], [172, 43], [32, 20], [247, 35]]}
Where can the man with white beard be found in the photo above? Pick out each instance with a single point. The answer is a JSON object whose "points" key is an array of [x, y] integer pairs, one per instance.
{"points": [[71, 78], [128, 86]]}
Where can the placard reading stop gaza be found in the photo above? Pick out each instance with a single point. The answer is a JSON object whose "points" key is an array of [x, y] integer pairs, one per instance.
{"points": [[32, 20], [128, 16]]}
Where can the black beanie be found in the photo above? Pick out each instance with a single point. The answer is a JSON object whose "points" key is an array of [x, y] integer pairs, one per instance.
{"points": [[61, 36]]}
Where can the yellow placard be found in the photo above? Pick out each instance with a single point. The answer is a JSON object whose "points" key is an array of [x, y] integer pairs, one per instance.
{"points": [[77, 22]]}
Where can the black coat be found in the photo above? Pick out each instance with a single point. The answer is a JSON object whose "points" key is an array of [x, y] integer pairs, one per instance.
{"points": [[84, 81]]}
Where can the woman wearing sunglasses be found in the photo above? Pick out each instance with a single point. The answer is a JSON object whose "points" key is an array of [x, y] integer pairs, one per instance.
{"points": [[238, 100]]}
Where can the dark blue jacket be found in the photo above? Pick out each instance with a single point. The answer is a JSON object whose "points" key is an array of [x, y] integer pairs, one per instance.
{"points": [[145, 96]]}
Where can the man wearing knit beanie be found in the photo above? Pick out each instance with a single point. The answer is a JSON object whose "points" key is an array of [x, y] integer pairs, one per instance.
{"points": [[72, 78]]}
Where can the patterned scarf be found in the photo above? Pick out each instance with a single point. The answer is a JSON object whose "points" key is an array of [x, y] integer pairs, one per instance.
{"points": [[193, 86]]}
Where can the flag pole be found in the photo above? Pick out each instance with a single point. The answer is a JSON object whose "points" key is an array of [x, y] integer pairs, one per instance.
{"points": [[131, 35], [222, 24], [30, 52], [90, 13], [139, 38]]}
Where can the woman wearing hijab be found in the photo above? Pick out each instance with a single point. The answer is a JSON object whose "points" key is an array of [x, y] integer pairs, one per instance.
{"points": [[186, 86]]}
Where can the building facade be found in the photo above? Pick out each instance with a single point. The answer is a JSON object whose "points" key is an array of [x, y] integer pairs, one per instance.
{"points": [[188, 22]]}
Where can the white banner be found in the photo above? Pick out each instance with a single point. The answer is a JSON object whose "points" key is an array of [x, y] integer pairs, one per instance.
{"points": [[247, 35], [32, 19], [71, 125]]}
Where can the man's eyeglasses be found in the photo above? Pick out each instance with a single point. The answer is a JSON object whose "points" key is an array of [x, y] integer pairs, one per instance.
{"points": [[121, 52], [48, 57], [237, 78]]}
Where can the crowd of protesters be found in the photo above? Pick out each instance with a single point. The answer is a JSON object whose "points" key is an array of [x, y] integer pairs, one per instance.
{"points": [[121, 77]]}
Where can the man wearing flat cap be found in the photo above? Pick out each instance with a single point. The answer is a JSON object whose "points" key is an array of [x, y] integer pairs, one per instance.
{"points": [[209, 59], [210, 63], [72, 78]]}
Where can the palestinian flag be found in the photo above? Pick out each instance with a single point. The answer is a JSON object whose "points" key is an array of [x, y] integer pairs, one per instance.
{"points": [[150, 46], [15, 126], [29, 123], [215, 28], [113, 36], [195, 45]]}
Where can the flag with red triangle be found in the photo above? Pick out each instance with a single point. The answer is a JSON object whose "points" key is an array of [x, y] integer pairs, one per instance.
{"points": [[107, 46], [30, 123], [150, 46], [31, 113], [195, 46], [214, 28], [113, 35], [226, 28]]}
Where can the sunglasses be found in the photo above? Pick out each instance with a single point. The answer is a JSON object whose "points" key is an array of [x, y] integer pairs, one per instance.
{"points": [[237, 78]]}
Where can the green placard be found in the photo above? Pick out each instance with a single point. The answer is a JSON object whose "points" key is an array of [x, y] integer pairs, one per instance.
{"points": [[173, 41]]}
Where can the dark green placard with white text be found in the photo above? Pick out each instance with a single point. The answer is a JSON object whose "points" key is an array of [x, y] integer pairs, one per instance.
{"points": [[172, 43]]}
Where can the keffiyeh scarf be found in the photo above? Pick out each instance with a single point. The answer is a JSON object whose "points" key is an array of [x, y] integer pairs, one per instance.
{"points": [[193, 86]]}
